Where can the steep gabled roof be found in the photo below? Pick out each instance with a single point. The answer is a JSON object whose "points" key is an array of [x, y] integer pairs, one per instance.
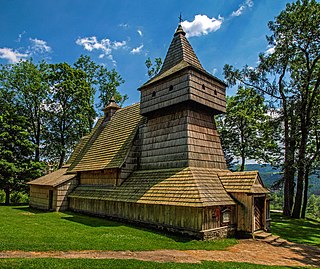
{"points": [[189, 186], [110, 142], [53, 179], [248, 182]]}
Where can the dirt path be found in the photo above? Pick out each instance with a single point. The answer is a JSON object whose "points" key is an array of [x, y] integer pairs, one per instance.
{"points": [[246, 251]]}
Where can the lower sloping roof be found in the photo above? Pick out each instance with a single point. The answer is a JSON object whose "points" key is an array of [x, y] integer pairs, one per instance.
{"points": [[109, 144], [196, 187], [53, 179], [248, 182]]}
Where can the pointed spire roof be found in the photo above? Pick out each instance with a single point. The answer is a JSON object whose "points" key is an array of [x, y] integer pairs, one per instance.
{"points": [[179, 51], [179, 56]]}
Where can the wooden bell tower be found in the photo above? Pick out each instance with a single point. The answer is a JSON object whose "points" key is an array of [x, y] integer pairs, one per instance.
{"points": [[180, 103]]}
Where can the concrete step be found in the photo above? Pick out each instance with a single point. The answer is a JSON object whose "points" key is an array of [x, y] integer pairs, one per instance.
{"points": [[261, 235]]}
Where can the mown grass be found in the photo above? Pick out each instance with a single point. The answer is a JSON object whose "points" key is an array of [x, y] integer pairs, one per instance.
{"points": [[303, 231], [119, 264], [22, 228]]}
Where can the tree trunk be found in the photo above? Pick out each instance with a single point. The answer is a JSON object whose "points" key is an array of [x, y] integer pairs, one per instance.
{"points": [[243, 161], [301, 169], [305, 193], [37, 150], [7, 192], [62, 156], [288, 174]]}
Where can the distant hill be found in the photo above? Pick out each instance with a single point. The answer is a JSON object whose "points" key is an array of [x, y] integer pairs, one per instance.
{"points": [[271, 175]]}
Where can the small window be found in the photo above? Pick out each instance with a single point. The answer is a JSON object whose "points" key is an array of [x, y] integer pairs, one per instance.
{"points": [[203, 87], [226, 216], [153, 94], [170, 88], [215, 92]]}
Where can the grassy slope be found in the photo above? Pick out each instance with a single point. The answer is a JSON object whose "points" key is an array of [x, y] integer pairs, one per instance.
{"points": [[25, 229], [119, 264], [296, 230]]}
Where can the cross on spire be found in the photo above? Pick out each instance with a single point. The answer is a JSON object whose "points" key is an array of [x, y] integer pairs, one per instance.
{"points": [[180, 18]]}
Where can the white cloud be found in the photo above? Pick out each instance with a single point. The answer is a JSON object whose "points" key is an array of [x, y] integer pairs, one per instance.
{"points": [[214, 71], [140, 32], [201, 25], [11, 55], [39, 46], [270, 50], [105, 46], [242, 8], [118, 44], [137, 50]]}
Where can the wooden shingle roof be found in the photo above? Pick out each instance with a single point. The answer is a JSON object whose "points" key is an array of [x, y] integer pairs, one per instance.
{"points": [[109, 143], [180, 55], [53, 179], [248, 182], [180, 50], [189, 186]]}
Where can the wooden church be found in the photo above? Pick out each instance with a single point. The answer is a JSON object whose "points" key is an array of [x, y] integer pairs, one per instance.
{"points": [[160, 162]]}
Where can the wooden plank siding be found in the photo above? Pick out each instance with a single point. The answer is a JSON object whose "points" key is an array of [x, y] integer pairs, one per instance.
{"points": [[170, 216], [39, 197], [62, 192]]}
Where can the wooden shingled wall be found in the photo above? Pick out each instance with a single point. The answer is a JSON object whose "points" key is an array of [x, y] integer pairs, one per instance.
{"points": [[183, 137]]}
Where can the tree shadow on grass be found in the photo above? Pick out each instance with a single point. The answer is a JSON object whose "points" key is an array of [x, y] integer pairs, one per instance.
{"points": [[30, 210], [310, 254], [301, 232]]}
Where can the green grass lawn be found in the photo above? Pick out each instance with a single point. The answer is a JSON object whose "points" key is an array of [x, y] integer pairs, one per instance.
{"points": [[22, 228], [296, 230], [119, 264]]}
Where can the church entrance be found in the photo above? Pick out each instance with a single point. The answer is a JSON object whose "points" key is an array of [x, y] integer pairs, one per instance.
{"points": [[258, 213]]}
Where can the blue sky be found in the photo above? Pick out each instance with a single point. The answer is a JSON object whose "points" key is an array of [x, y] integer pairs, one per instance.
{"points": [[123, 34]]}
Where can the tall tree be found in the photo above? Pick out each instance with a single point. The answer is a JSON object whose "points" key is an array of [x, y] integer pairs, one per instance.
{"points": [[69, 110], [245, 130], [16, 149], [27, 80], [290, 77]]}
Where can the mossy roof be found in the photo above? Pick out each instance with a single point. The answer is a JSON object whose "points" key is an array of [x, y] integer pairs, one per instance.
{"points": [[53, 179], [110, 142], [247, 181], [196, 187]]}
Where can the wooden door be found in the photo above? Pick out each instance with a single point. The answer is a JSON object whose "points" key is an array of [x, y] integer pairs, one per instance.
{"points": [[258, 213], [50, 199]]}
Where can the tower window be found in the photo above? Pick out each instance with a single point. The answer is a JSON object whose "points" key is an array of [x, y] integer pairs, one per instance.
{"points": [[215, 92], [170, 88], [153, 94], [203, 87]]}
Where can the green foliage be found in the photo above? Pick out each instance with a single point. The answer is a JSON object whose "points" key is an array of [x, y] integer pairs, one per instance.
{"points": [[19, 197], [33, 230], [16, 148], [313, 206], [69, 110], [153, 68], [246, 130], [290, 77], [41, 263], [102, 80]]}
